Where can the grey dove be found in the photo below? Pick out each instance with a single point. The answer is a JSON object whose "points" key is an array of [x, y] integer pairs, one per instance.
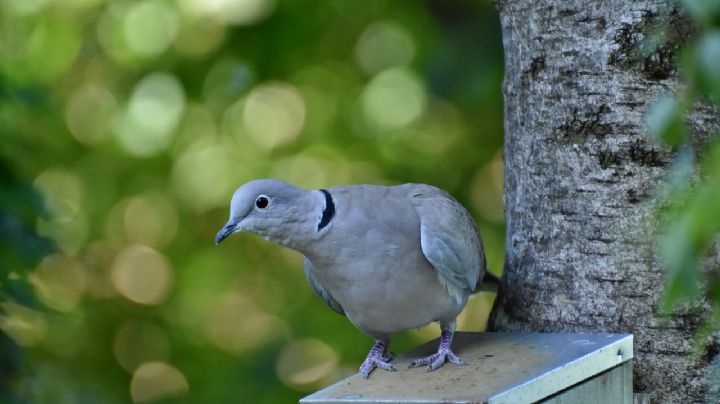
{"points": [[388, 258]]}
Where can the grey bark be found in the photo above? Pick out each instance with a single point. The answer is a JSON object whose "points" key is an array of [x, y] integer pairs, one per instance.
{"points": [[580, 176]]}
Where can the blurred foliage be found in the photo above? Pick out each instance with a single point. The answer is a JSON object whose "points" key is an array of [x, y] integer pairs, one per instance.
{"points": [[20, 249], [126, 125], [691, 195]]}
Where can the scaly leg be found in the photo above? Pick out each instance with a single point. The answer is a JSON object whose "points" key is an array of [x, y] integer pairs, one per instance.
{"points": [[377, 358], [444, 352]]}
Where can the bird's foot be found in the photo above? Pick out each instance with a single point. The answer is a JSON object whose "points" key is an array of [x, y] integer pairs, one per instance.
{"points": [[389, 356], [437, 359], [443, 354], [371, 363], [377, 358]]}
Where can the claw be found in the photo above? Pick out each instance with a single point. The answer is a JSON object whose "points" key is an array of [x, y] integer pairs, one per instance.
{"points": [[443, 354], [438, 359], [377, 358], [389, 356]]}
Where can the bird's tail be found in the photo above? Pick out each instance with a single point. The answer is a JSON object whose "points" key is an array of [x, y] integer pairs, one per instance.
{"points": [[490, 278], [489, 283]]}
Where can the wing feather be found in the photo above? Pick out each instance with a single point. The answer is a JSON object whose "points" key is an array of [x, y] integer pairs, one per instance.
{"points": [[449, 239], [319, 289]]}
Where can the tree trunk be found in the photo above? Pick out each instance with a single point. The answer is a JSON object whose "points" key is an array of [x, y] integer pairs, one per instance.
{"points": [[579, 180]]}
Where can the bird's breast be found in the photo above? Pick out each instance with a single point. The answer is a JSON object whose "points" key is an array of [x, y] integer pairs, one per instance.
{"points": [[372, 263], [385, 289]]}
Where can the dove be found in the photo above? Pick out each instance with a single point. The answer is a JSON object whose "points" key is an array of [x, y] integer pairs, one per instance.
{"points": [[389, 258]]}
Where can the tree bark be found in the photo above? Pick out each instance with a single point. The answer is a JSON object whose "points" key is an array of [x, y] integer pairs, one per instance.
{"points": [[579, 179]]}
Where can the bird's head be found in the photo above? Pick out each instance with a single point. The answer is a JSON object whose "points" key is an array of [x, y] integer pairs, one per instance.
{"points": [[266, 207]]}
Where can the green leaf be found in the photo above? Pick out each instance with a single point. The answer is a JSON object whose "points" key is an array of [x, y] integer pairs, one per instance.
{"points": [[711, 159], [681, 170], [690, 235], [708, 63], [664, 122], [705, 11], [682, 266]]}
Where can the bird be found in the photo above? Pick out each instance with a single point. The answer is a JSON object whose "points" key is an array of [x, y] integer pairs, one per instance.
{"points": [[389, 258]]}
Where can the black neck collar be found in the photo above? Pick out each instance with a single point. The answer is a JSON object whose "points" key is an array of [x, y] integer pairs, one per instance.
{"points": [[329, 210]]}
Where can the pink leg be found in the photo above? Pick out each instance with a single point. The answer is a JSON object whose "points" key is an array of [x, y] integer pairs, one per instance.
{"points": [[377, 358], [444, 352]]}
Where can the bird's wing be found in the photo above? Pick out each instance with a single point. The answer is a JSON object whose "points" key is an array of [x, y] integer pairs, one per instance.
{"points": [[319, 290], [449, 238]]}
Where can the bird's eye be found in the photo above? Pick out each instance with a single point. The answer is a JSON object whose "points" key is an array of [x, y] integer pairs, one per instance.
{"points": [[262, 202]]}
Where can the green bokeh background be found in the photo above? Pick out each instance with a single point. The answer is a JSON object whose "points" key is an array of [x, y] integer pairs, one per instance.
{"points": [[126, 125]]}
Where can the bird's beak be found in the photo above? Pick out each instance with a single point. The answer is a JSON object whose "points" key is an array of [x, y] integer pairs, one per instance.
{"points": [[227, 230]]}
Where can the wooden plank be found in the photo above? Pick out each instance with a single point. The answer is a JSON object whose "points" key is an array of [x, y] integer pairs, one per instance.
{"points": [[500, 368], [610, 387]]}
